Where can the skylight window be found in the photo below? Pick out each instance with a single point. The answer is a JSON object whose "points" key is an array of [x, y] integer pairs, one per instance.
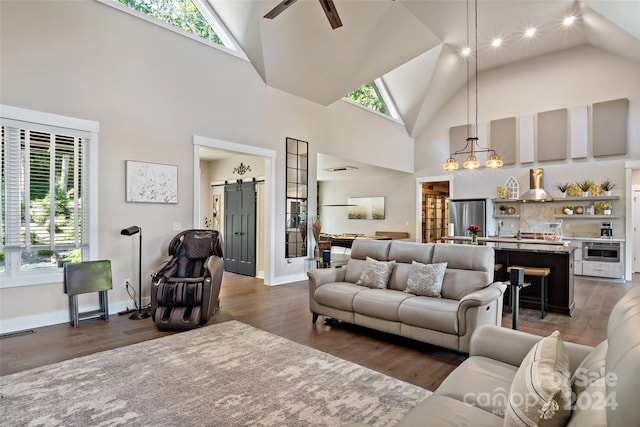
{"points": [[182, 14], [375, 96]]}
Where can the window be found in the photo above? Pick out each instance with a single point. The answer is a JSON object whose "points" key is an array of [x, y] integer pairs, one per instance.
{"points": [[369, 97], [375, 96], [44, 194], [188, 17], [181, 14]]}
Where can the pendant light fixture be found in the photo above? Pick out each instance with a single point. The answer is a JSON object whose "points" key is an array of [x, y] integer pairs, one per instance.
{"points": [[472, 146]]}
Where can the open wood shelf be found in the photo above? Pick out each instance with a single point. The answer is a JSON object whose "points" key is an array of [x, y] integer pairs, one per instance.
{"points": [[583, 216], [586, 199]]}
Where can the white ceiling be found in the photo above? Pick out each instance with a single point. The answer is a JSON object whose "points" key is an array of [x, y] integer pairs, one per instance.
{"points": [[413, 45]]}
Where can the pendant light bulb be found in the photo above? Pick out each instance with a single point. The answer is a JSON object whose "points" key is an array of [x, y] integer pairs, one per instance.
{"points": [[451, 165], [494, 162], [471, 163]]}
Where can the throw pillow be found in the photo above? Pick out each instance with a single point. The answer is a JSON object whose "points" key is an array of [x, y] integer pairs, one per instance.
{"points": [[426, 279], [540, 394], [591, 368], [375, 274]]}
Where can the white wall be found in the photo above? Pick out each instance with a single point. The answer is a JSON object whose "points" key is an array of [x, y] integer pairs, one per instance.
{"points": [[399, 204], [152, 90]]}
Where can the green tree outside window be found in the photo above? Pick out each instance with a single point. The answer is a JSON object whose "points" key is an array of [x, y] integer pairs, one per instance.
{"points": [[181, 14], [369, 96]]}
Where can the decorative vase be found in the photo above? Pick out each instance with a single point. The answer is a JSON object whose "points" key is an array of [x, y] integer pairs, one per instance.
{"points": [[474, 238], [607, 193], [585, 194], [563, 194], [607, 211], [315, 228]]}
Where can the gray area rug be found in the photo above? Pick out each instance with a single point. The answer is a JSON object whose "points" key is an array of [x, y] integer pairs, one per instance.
{"points": [[228, 374]]}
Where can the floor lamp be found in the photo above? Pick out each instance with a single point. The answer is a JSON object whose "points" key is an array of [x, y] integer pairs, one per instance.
{"points": [[140, 313]]}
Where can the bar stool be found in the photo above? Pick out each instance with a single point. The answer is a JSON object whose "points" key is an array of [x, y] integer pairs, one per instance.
{"points": [[496, 269], [542, 273]]}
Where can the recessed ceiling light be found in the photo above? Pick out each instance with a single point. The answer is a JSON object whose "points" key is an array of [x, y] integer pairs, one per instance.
{"points": [[496, 42], [465, 51], [569, 20], [530, 32]]}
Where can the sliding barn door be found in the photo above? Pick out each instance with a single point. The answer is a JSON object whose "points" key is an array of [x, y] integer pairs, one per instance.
{"points": [[240, 228]]}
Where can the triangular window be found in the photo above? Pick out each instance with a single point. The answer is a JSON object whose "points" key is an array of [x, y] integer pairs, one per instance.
{"points": [[374, 96], [193, 16]]}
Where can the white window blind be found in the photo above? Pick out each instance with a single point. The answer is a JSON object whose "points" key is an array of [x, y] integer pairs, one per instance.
{"points": [[45, 202]]}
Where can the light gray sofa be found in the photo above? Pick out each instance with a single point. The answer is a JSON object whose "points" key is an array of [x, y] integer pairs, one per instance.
{"points": [[605, 383], [469, 298]]}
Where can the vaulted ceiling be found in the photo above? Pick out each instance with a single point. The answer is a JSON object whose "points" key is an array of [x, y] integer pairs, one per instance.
{"points": [[414, 44]]}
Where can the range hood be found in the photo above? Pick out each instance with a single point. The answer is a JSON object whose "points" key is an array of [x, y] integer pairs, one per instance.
{"points": [[536, 193]]}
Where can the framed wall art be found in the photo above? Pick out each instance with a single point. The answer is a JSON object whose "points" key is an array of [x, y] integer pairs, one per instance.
{"points": [[365, 208], [151, 182]]}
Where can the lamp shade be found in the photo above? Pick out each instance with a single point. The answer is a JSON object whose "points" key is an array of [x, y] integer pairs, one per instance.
{"points": [[471, 163], [130, 231], [451, 164]]}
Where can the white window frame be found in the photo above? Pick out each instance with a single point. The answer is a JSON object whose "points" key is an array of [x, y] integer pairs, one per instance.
{"points": [[10, 115], [231, 46], [394, 114]]}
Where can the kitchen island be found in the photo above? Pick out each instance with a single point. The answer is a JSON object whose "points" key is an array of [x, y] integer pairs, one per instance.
{"points": [[559, 259], [557, 256]]}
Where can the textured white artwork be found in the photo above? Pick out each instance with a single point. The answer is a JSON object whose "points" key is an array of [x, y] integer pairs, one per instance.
{"points": [[151, 182]]}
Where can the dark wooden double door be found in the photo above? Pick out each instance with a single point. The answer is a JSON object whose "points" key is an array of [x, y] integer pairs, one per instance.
{"points": [[240, 228]]}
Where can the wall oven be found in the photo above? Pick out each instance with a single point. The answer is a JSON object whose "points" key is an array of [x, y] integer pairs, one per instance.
{"points": [[601, 251]]}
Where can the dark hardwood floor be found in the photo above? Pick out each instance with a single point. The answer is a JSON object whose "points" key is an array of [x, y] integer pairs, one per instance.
{"points": [[284, 311]]}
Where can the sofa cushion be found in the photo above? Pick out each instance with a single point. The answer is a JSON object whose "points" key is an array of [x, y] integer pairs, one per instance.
{"points": [[379, 303], [426, 279], [407, 252], [338, 295], [363, 248], [444, 411], [431, 313], [469, 268], [353, 270], [590, 407], [541, 391], [399, 276], [591, 368], [482, 382], [404, 253], [375, 274]]}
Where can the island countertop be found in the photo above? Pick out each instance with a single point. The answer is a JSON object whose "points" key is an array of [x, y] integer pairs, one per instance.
{"points": [[527, 247], [538, 245]]}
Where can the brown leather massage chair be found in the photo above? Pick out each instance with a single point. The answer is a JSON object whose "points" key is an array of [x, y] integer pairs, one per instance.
{"points": [[185, 290]]}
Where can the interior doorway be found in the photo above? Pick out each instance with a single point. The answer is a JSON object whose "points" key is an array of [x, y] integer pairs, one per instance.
{"points": [[635, 223], [432, 208], [632, 220], [265, 247], [435, 211]]}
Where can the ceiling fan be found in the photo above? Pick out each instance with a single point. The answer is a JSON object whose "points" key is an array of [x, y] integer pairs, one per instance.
{"points": [[327, 5]]}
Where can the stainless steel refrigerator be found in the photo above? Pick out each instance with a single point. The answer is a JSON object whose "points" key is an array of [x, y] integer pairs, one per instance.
{"points": [[463, 213]]}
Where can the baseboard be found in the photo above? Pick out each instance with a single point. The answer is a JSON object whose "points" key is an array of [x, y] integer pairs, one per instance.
{"points": [[58, 317], [282, 280]]}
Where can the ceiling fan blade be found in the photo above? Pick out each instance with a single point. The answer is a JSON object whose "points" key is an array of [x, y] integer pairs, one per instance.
{"points": [[331, 12], [279, 8]]}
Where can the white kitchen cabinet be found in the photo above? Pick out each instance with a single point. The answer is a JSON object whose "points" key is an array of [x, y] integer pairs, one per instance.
{"points": [[613, 270], [577, 268]]}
